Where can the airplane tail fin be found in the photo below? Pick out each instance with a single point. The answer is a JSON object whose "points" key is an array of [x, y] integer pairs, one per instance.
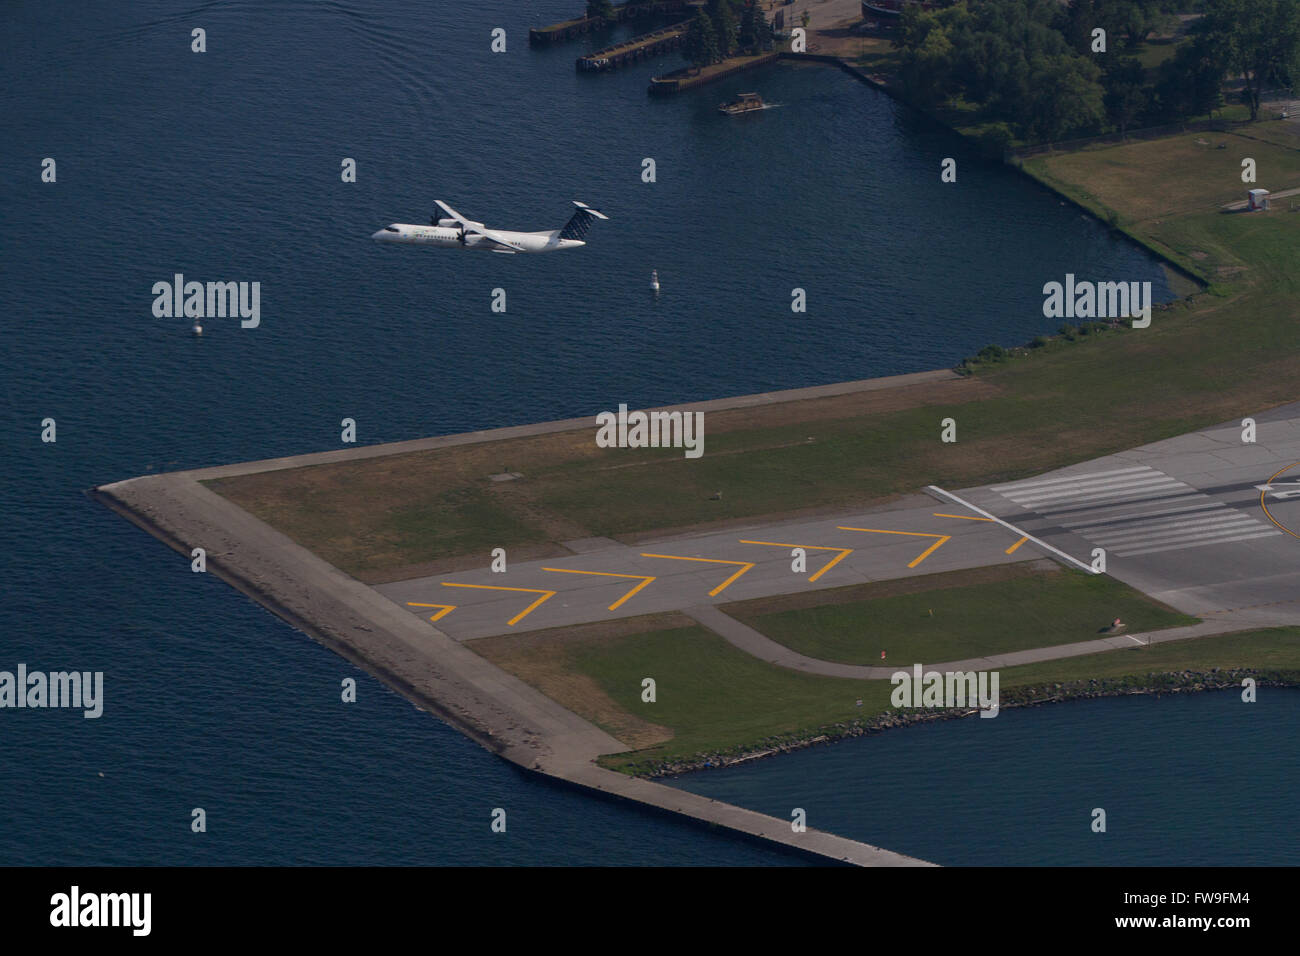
{"points": [[580, 222]]}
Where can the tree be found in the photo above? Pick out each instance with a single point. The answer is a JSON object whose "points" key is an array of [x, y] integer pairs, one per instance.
{"points": [[600, 8], [1258, 40], [1066, 98], [926, 58], [747, 37], [755, 32], [995, 140], [1190, 82], [763, 28], [724, 25], [701, 41], [1133, 20], [1126, 96]]}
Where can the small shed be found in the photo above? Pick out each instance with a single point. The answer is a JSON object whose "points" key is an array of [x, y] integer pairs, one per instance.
{"points": [[1258, 199]]}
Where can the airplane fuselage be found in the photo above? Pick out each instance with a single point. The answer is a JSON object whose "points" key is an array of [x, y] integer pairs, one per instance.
{"points": [[452, 237]]}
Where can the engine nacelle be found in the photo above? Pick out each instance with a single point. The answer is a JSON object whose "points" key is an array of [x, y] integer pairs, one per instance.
{"points": [[457, 224]]}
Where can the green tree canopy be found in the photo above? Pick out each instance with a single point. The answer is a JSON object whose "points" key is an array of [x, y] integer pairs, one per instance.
{"points": [[755, 32], [1258, 40], [1126, 96], [701, 41], [1190, 83], [724, 25]]}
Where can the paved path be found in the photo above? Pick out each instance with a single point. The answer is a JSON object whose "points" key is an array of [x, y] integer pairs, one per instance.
{"points": [[745, 638], [1241, 204]]}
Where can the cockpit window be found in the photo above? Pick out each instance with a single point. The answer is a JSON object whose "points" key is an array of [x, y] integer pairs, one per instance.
{"points": [[391, 229]]}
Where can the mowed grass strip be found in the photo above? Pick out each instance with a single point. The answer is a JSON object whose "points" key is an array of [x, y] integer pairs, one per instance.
{"points": [[1271, 649], [1040, 609]]}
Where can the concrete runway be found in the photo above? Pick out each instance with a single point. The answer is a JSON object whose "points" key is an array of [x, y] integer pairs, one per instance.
{"points": [[684, 571], [1181, 520], [1186, 520]]}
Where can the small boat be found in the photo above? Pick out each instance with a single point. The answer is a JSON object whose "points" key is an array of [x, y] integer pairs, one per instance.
{"points": [[743, 103], [654, 280]]}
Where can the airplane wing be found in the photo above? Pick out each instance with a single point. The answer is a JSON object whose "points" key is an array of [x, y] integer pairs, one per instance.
{"points": [[451, 213], [501, 241], [471, 228]]}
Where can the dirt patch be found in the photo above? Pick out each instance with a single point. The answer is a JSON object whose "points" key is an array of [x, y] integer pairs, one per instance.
{"points": [[541, 658]]}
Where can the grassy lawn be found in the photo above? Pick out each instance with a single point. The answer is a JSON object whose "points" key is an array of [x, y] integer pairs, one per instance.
{"points": [[713, 698], [957, 623], [399, 528], [1174, 206], [1273, 649], [710, 696]]}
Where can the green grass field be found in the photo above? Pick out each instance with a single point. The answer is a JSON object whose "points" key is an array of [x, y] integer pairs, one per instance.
{"points": [[959, 623], [714, 698]]}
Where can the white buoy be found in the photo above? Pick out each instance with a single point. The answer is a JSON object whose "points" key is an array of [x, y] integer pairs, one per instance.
{"points": [[198, 329], [654, 279]]}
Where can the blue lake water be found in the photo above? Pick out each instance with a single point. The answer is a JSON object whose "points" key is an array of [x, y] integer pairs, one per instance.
{"points": [[225, 166], [1184, 780]]}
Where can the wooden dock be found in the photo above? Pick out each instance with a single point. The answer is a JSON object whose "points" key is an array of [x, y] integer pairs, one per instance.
{"points": [[620, 54], [687, 78], [568, 29]]}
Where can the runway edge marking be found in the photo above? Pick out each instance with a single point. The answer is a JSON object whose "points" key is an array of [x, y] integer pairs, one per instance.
{"points": [[1010, 527]]}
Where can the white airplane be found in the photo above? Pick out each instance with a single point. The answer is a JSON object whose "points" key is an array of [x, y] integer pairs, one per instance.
{"points": [[453, 229]]}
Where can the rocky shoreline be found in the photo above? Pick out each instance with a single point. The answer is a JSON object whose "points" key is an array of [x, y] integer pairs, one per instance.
{"points": [[1172, 682]]}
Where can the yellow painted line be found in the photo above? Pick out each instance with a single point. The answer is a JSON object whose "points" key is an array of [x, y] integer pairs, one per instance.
{"points": [[929, 551], [446, 609], [843, 553], [645, 580], [721, 587], [1012, 549], [962, 517], [545, 596], [1263, 505], [916, 534]]}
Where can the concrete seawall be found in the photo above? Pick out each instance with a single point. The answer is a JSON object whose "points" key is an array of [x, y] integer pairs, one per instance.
{"points": [[487, 704]]}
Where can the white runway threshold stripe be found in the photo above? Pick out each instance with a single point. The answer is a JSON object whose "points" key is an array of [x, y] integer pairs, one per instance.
{"points": [[1135, 511], [1010, 527]]}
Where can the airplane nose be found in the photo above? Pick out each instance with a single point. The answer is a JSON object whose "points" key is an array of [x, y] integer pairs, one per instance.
{"points": [[377, 234]]}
